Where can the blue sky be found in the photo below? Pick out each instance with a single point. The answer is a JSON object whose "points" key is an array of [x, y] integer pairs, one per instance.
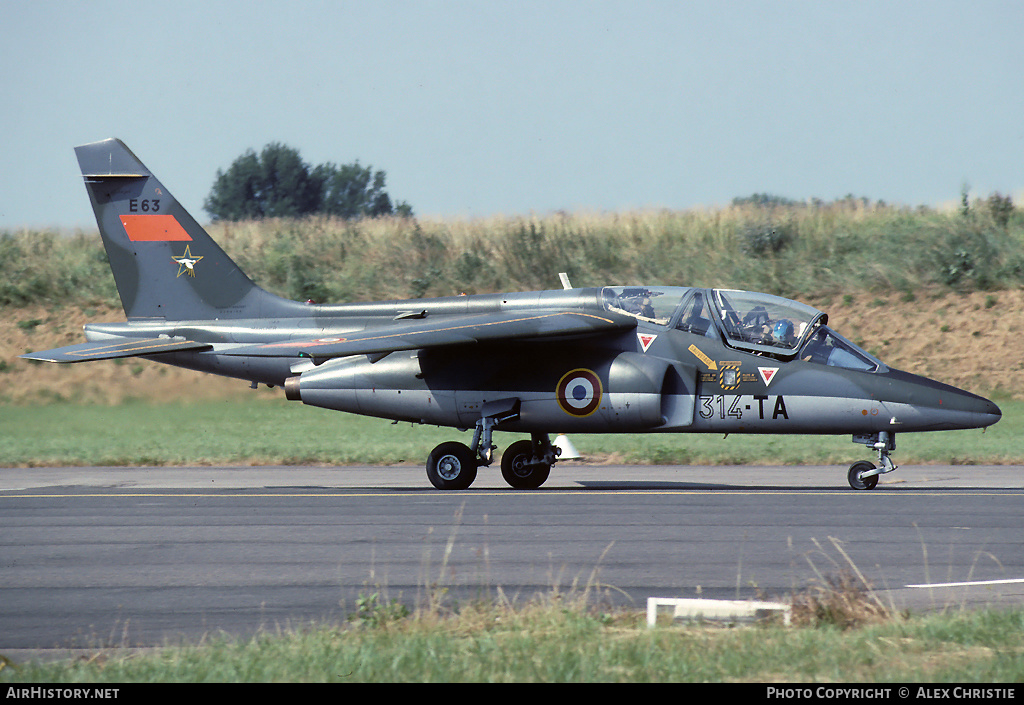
{"points": [[490, 107]]}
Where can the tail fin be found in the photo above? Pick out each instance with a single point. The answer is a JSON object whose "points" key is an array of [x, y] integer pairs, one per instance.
{"points": [[164, 263]]}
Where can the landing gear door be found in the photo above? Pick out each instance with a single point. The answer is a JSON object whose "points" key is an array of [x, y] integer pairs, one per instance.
{"points": [[679, 395]]}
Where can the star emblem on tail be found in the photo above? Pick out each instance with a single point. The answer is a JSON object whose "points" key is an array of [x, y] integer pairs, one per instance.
{"points": [[187, 262]]}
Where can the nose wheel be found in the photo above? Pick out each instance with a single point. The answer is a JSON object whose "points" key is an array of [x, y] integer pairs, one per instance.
{"points": [[858, 480], [863, 475]]}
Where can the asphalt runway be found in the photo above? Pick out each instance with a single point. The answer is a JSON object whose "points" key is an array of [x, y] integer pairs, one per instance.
{"points": [[129, 557]]}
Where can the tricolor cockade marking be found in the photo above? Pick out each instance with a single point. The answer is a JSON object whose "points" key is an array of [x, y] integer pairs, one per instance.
{"points": [[579, 392]]}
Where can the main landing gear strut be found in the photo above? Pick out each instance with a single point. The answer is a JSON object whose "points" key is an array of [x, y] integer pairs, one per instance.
{"points": [[863, 475], [525, 465]]}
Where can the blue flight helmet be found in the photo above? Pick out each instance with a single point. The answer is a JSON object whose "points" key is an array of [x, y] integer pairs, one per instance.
{"points": [[783, 332]]}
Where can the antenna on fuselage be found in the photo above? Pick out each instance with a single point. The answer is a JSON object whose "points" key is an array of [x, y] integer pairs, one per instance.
{"points": [[564, 278]]}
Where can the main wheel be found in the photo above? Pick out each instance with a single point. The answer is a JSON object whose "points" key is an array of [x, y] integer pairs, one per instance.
{"points": [[517, 469], [451, 466], [856, 481]]}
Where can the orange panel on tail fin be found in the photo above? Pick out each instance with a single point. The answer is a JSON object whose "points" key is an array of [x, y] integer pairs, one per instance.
{"points": [[154, 228]]}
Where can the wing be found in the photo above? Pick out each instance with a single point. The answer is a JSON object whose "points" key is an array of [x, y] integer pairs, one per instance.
{"points": [[110, 349], [492, 327]]}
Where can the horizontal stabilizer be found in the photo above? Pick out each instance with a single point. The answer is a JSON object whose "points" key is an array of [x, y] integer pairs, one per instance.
{"points": [[494, 327], [111, 349]]}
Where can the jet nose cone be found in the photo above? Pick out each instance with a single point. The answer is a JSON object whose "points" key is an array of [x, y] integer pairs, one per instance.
{"points": [[978, 412], [934, 406], [988, 413]]}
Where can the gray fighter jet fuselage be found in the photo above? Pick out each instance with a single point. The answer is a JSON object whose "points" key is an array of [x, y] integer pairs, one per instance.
{"points": [[613, 359]]}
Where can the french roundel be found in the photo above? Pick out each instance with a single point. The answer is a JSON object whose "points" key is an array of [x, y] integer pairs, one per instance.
{"points": [[579, 393]]}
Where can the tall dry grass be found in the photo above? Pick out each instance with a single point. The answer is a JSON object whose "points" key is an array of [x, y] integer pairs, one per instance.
{"points": [[795, 251]]}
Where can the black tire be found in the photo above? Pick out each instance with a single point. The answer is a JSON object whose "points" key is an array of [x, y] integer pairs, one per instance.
{"points": [[517, 469], [856, 481], [451, 466]]}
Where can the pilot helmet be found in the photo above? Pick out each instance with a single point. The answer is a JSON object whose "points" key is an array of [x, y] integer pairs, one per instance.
{"points": [[783, 331]]}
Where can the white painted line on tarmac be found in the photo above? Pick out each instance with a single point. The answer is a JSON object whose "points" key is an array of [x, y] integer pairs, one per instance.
{"points": [[969, 584]]}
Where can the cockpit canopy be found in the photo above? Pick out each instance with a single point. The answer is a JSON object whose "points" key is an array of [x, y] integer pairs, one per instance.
{"points": [[654, 305], [762, 322], [746, 320]]}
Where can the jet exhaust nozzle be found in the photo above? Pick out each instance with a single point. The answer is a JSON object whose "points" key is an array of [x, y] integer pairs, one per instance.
{"points": [[291, 389]]}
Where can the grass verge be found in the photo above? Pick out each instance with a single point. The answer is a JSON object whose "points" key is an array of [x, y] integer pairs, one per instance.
{"points": [[558, 641]]}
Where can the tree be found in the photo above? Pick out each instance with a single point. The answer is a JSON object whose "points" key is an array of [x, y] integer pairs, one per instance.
{"points": [[353, 191], [277, 183], [289, 189], [764, 200], [234, 193]]}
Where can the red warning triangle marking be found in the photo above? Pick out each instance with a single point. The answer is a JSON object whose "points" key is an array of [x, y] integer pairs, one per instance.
{"points": [[767, 374], [645, 340]]}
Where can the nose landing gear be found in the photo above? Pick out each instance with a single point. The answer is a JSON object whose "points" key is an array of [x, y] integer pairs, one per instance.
{"points": [[863, 475]]}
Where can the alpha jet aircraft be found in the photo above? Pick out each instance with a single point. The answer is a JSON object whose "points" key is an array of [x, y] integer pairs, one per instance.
{"points": [[614, 359]]}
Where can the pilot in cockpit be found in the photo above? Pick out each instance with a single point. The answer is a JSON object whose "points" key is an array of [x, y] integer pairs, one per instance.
{"points": [[783, 333], [637, 301]]}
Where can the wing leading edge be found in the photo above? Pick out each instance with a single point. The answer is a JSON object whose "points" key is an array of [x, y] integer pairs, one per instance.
{"points": [[112, 349], [494, 327], [444, 331]]}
